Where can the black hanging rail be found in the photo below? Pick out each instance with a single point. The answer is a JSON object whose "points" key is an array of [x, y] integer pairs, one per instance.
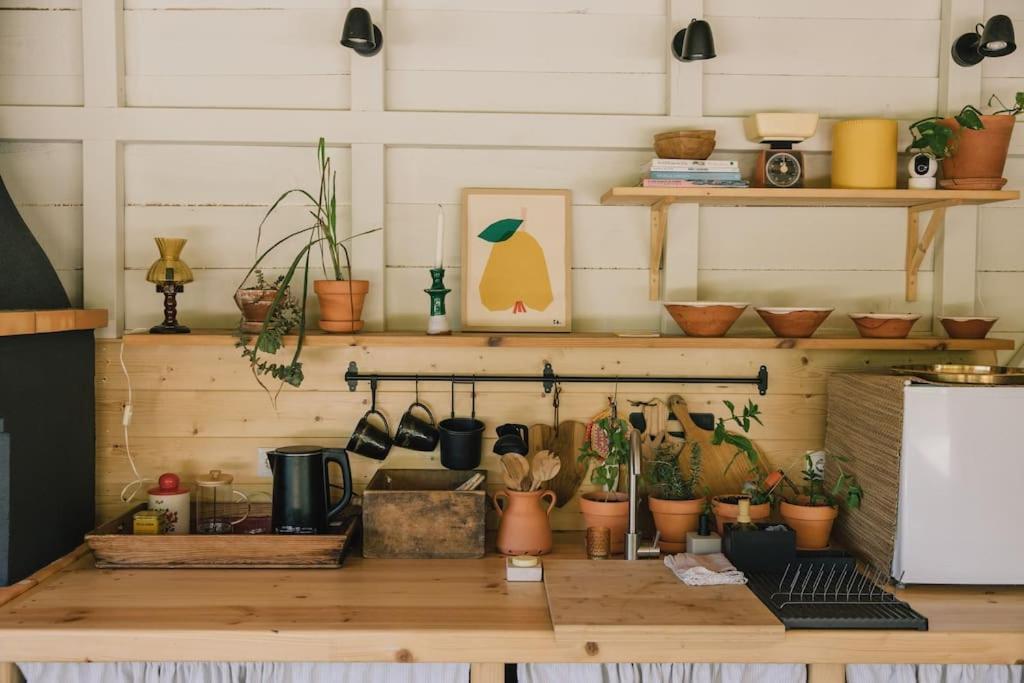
{"points": [[550, 378]]}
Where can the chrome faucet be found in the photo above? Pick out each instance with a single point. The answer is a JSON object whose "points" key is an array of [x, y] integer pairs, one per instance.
{"points": [[635, 551]]}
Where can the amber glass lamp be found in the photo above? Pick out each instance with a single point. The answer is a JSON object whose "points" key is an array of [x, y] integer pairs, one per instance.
{"points": [[169, 273]]}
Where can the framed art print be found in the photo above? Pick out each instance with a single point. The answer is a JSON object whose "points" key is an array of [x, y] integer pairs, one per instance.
{"points": [[516, 260]]}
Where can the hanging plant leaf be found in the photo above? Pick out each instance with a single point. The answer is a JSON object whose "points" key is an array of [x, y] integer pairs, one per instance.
{"points": [[499, 231]]}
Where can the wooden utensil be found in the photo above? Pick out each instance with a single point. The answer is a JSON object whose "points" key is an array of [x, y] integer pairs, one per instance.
{"points": [[567, 443], [545, 467], [716, 457], [516, 469]]}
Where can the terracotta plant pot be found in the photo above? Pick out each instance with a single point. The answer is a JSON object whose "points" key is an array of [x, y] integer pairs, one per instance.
{"points": [[524, 528], [967, 327], [884, 325], [726, 511], [978, 154], [812, 523], [254, 305], [705, 318], [793, 322], [610, 510], [673, 518], [341, 304]]}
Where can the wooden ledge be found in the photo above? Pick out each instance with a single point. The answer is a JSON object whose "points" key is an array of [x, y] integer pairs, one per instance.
{"points": [[51, 320]]}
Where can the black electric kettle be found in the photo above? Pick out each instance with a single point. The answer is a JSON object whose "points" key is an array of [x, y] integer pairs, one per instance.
{"points": [[302, 488]]}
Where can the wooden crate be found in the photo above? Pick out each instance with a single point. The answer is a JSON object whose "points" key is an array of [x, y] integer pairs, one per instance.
{"points": [[115, 547], [417, 514]]}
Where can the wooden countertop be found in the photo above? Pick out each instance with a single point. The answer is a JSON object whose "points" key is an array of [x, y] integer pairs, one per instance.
{"points": [[433, 610]]}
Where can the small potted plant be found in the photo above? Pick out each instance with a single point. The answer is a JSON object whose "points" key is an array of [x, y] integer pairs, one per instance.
{"points": [[673, 479], [255, 302], [758, 487], [607, 447], [812, 513]]}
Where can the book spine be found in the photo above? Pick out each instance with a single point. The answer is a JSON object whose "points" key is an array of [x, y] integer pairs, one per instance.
{"points": [[691, 165], [694, 175], [654, 182]]}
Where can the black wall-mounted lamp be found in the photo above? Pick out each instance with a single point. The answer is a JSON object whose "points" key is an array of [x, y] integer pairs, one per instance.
{"points": [[694, 42], [361, 34], [993, 39]]}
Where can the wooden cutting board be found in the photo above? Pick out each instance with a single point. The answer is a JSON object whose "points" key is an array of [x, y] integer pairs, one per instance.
{"points": [[644, 600]]}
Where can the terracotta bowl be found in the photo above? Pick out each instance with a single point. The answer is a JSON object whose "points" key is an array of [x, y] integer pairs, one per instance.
{"points": [[968, 326], [685, 144], [884, 325], [793, 322], [705, 318]]}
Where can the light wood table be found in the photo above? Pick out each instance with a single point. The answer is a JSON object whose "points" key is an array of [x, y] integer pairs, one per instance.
{"points": [[435, 611]]}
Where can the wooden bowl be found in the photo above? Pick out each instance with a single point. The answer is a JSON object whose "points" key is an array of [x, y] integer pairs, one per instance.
{"points": [[968, 326], [884, 325], [685, 144], [705, 318], [793, 322]]}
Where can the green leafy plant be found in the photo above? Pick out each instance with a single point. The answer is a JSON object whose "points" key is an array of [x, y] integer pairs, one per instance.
{"points": [[607, 445], [321, 235], [817, 493], [935, 139], [1016, 109], [666, 476], [755, 487]]}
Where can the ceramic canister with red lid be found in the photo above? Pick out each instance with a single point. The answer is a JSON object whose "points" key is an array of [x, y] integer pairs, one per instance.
{"points": [[171, 498]]}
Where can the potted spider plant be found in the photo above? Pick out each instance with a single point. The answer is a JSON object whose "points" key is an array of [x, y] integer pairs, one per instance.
{"points": [[812, 513], [676, 504], [607, 448], [341, 298]]}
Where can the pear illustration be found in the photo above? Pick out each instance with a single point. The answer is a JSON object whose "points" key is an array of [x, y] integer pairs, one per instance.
{"points": [[516, 274]]}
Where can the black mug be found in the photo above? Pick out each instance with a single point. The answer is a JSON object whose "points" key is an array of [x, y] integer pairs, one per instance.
{"points": [[416, 433], [512, 438], [301, 501], [461, 437], [370, 440]]}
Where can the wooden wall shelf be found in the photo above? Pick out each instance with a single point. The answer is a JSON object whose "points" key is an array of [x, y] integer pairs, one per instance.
{"points": [[915, 201], [51, 320], [583, 340]]}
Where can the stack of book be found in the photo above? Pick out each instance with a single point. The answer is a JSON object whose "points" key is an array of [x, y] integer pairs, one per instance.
{"points": [[691, 173]]}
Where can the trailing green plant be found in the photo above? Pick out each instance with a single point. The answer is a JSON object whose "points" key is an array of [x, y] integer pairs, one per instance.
{"points": [[815, 490], [607, 445], [321, 235], [1015, 110], [937, 140], [666, 476]]}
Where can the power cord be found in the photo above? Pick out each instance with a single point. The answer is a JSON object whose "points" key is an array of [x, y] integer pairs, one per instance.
{"points": [[132, 488]]}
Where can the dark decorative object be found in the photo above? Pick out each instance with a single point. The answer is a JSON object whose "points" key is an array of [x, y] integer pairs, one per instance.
{"points": [[361, 34], [694, 42], [169, 273], [47, 411], [994, 38]]}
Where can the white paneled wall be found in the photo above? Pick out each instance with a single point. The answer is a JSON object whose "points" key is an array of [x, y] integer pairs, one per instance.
{"points": [[470, 93]]}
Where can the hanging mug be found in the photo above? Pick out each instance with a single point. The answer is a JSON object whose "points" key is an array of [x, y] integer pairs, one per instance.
{"points": [[414, 432], [461, 437], [367, 438], [512, 438]]}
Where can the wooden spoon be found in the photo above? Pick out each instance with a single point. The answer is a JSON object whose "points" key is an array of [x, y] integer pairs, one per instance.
{"points": [[516, 469], [545, 467]]}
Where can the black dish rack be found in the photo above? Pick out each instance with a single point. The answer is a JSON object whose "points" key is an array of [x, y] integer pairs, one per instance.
{"points": [[832, 591]]}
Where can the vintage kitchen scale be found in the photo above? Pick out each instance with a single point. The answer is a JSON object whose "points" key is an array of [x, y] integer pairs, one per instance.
{"points": [[780, 166]]}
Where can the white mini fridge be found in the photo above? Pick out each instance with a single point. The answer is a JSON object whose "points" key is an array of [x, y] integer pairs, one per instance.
{"points": [[961, 486]]}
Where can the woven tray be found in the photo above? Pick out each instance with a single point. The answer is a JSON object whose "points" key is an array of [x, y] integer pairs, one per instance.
{"points": [[251, 546]]}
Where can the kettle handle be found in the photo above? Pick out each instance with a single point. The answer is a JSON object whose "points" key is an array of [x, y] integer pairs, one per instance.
{"points": [[339, 456]]}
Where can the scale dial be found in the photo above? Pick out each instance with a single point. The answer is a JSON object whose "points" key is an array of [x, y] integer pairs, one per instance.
{"points": [[782, 169]]}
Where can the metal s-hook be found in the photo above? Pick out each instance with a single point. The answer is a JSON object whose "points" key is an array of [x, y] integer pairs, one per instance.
{"points": [[373, 395], [417, 388]]}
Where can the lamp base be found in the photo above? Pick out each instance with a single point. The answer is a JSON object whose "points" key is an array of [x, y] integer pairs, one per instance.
{"points": [[169, 329]]}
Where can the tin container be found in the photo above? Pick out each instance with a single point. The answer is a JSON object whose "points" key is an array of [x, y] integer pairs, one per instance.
{"points": [[171, 498], [149, 523]]}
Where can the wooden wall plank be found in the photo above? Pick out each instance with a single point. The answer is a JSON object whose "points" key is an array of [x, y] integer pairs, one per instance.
{"points": [[866, 9], [34, 71]]}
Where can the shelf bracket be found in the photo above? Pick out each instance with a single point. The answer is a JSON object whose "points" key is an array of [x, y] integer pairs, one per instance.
{"points": [[918, 244], [659, 222]]}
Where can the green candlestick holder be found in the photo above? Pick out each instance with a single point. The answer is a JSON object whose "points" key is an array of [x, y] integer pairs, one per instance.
{"points": [[437, 323]]}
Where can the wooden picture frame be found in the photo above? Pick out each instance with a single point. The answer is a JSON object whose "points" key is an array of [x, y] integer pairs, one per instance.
{"points": [[516, 281]]}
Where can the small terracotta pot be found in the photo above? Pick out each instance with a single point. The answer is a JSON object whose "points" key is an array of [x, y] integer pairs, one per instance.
{"points": [[705, 319], [341, 304], [978, 154], [254, 305], [884, 325], [673, 518], [726, 513], [967, 327], [524, 528], [609, 510], [812, 523], [796, 323]]}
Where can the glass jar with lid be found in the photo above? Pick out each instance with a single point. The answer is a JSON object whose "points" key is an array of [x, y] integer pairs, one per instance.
{"points": [[217, 504]]}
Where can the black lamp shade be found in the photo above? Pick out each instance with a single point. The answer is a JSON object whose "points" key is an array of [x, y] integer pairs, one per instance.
{"points": [[694, 42], [360, 33], [997, 38], [965, 50]]}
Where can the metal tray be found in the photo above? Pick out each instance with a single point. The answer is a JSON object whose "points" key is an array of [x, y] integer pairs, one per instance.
{"points": [[990, 375]]}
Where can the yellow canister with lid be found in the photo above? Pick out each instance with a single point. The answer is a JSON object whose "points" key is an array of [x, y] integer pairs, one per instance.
{"points": [[864, 154]]}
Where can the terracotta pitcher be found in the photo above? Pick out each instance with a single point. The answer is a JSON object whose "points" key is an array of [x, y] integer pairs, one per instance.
{"points": [[524, 528]]}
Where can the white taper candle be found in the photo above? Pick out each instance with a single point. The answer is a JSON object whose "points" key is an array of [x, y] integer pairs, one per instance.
{"points": [[439, 255]]}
